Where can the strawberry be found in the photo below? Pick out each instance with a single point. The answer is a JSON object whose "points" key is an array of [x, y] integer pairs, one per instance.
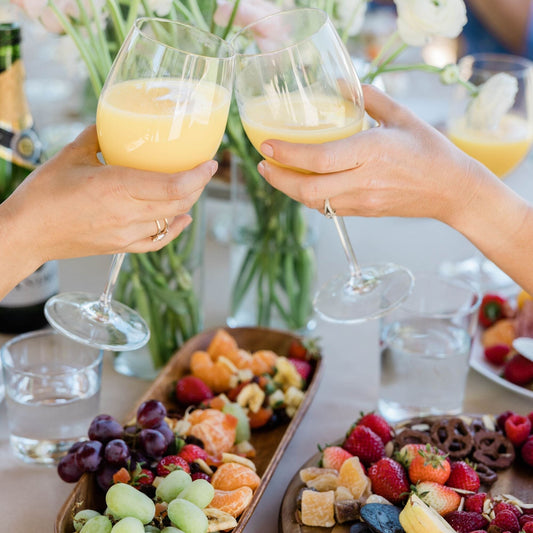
{"points": [[518, 370], [440, 497], [303, 367], [407, 453], [191, 390], [378, 425], [465, 521], [389, 479], [170, 463], [493, 308], [191, 452], [517, 429], [527, 451], [497, 354], [365, 444], [505, 506], [334, 456], [475, 502], [142, 476], [297, 350], [463, 476], [429, 465], [507, 521]]}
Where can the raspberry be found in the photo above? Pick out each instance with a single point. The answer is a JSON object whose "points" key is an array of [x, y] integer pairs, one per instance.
{"points": [[507, 521], [527, 451], [517, 429], [524, 519], [504, 506], [500, 421], [475, 502], [527, 527]]}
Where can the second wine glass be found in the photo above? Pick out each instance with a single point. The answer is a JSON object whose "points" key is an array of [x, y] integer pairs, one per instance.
{"points": [[164, 108], [295, 81]]}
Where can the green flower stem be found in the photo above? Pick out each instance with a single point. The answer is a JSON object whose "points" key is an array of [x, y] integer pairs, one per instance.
{"points": [[101, 42], [384, 50], [229, 25], [117, 20], [198, 16], [81, 45], [133, 13]]}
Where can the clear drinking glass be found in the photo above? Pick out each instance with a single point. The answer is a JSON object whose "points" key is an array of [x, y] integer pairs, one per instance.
{"points": [[295, 81], [164, 107], [501, 142], [52, 388]]}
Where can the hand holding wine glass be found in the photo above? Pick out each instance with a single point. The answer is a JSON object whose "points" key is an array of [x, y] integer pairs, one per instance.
{"points": [[164, 107], [296, 82]]}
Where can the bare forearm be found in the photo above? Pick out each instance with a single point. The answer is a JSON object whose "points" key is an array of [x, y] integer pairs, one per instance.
{"points": [[500, 224], [506, 19]]}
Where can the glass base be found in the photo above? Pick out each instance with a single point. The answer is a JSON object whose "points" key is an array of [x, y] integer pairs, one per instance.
{"points": [[481, 271], [44, 451], [382, 289], [136, 363], [78, 316], [395, 412]]}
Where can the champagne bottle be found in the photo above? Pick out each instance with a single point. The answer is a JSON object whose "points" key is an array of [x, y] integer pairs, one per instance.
{"points": [[20, 152]]}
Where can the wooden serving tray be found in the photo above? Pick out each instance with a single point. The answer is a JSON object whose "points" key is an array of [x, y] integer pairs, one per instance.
{"points": [[516, 480], [269, 444]]}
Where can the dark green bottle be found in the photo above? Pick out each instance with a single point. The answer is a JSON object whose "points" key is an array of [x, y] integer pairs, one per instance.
{"points": [[20, 152]]}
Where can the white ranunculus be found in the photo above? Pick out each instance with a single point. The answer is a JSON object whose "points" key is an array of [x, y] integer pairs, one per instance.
{"points": [[420, 20], [495, 98], [160, 7]]}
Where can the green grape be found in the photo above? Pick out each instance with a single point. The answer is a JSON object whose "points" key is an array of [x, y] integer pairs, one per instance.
{"points": [[124, 500], [97, 524], [171, 529], [82, 517], [243, 424], [187, 516], [200, 492], [151, 529], [128, 525], [171, 485]]}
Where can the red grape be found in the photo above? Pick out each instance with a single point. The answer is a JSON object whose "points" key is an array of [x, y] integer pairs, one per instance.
{"points": [[152, 442], [151, 413], [68, 468], [116, 452], [104, 428], [88, 456]]}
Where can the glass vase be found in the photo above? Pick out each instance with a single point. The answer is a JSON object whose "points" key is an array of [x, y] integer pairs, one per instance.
{"points": [[165, 287], [272, 255]]}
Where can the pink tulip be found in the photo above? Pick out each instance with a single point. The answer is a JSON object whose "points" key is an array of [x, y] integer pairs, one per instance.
{"points": [[248, 12]]}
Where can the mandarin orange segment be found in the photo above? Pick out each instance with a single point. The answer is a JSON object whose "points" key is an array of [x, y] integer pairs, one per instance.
{"points": [[318, 508], [233, 502], [218, 376], [222, 344], [241, 359], [231, 476], [263, 362], [352, 476], [215, 429]]}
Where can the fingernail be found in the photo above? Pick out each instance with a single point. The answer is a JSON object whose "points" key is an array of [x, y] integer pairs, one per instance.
{"points": [[213, 167], [267, 150], [261, 167]]}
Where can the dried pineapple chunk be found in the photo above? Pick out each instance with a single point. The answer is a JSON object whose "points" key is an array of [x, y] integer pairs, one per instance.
{"points": [[318, 508]]}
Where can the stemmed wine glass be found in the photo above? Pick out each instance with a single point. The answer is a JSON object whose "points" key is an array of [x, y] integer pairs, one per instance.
{"points": [[500, 140], [295, 81], [164, 107]]}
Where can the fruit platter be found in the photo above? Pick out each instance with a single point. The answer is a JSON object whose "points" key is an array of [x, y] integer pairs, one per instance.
{"points": [[501, 321], [198, 450], [465, 473]]}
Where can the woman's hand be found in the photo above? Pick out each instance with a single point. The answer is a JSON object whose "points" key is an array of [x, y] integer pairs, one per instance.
{"points": [[74, 206], [404, 167]]}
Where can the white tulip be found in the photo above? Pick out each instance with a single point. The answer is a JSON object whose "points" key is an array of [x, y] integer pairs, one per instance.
{"points": [[420, 20], [160, 7]]}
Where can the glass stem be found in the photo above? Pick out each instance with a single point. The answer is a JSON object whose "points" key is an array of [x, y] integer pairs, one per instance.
{"points": [[355, 271], [114, 270]]}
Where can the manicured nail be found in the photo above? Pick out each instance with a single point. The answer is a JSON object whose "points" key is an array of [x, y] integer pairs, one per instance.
{"points": [[261, 168], [213, 167], [267, 150]]}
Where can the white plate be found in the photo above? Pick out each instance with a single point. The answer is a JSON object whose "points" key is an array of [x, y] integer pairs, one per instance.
{"points": [[492, 372]]}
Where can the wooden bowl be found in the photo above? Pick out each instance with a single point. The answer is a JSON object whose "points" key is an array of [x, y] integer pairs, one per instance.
{"points": [[269, 444]]}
